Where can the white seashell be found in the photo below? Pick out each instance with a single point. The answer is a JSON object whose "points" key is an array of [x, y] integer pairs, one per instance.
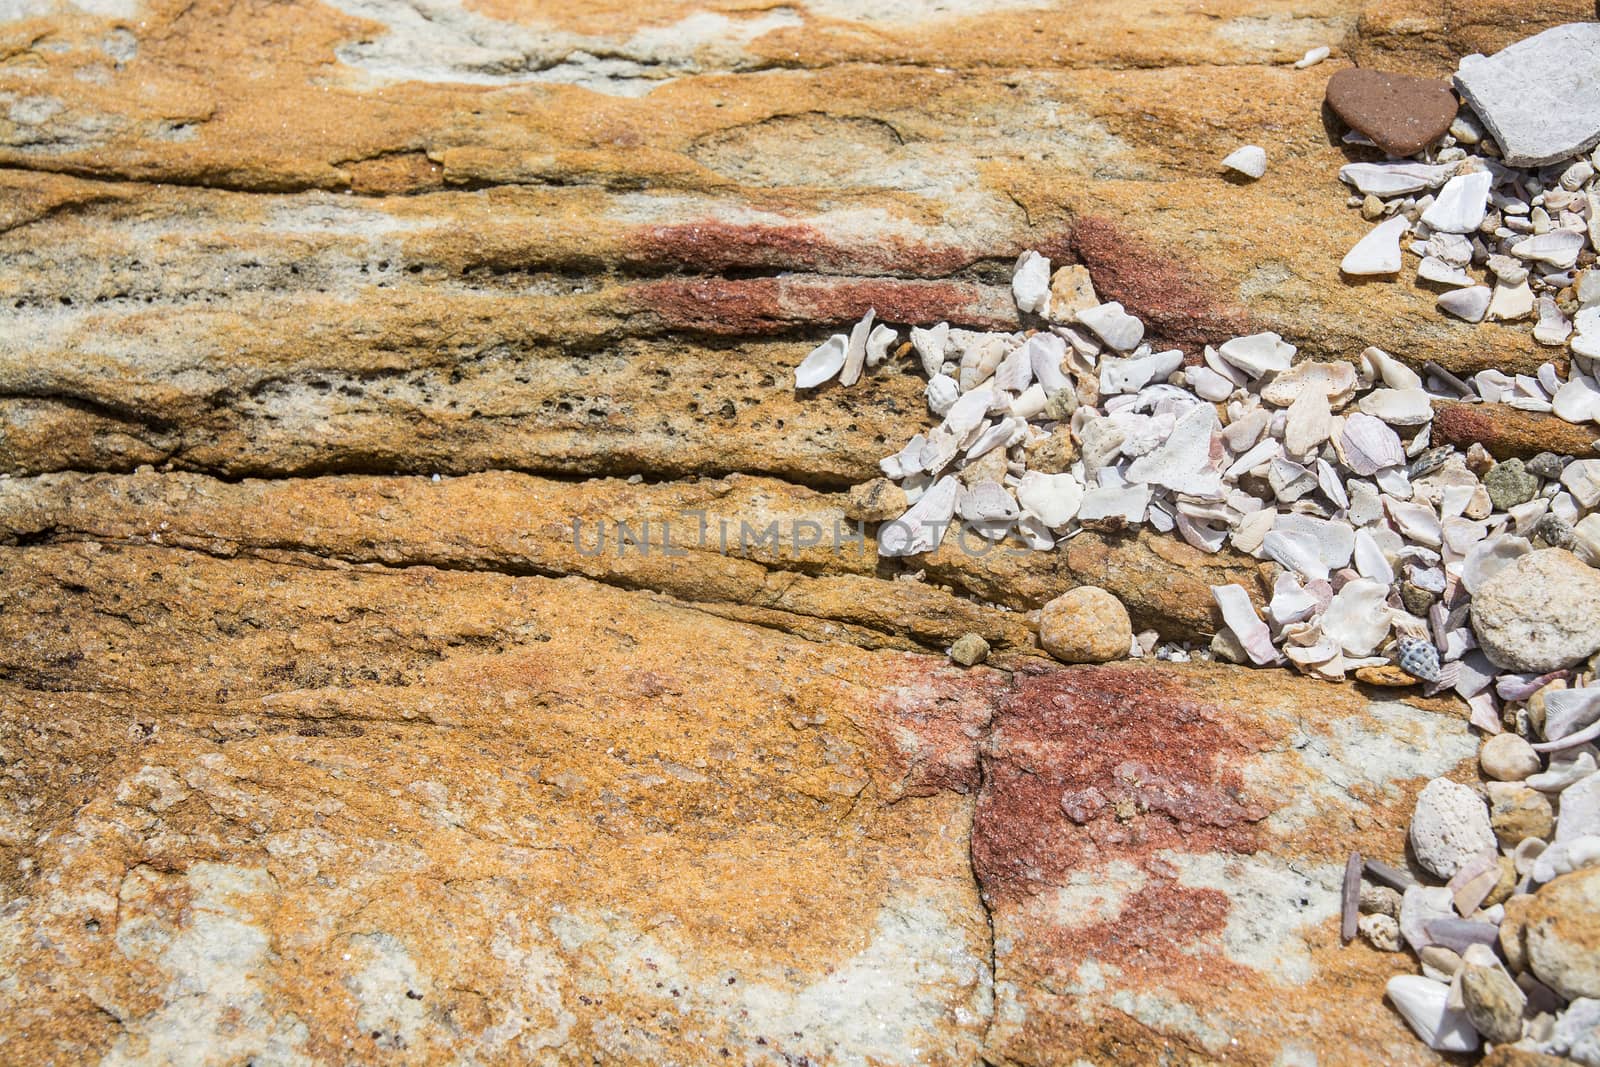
{"points": [[1578, 400], [1251, 161], [930, 345], [1385, 180], [1132, 375], [1002, 434], [1367, 445], [1549, 380], [1182, 463], [922, 527], [1569, 710], [1416, 521], [1246, 430], [987, 502], [1261, 453], [1370, 560], [1333, 542], [1208, 384], [1553, 328], [1035, 534], [1582, 479], [1511, 302], [1045, 352], [1379, 251], [1290, 601], [1328, 482], [1030, 283], [1494, 386], [1398, 407], [1422, 1003], [1258, 353], [1461, 204], [1312, 57], [1240, 616], [1032, 401], [1559, 248], [940, 451], [1469, 304], [967, 412], [1015, 372], [1376, 363], [879, 341], [1053, 499], [855, 356], [907, 461], [980, 355], [1433, 269], [1289, 480], [1114, 326], [1394, 483], [1202, 535], [1253, 529], [1452, 249], [1358, 618], [1125, 502], [1308, 422], [823, 363], [942, 392]]}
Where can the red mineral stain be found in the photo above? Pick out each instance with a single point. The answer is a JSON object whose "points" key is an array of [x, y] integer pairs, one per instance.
{"points": [[755, 306], [928, 721], [1176, 302], [1090, 764]]}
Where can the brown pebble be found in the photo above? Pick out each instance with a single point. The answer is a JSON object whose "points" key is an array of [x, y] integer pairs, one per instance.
{"points": [[1400, 112], [1387, 675]]}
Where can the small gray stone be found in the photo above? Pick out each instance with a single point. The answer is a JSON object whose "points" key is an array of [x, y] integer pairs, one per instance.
{"points": [[969, 649], [1539, 613], [1537, 97], [1555, 532], [1547, 465], [1509, 484], [1493, 1002], [1416, 599]]}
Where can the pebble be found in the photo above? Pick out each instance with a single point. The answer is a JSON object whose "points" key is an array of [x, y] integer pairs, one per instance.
{"points": [[1510, 484], [1085, 625], [1517, 813], [1250, 161], [1536, 97], [1422, 1002], [1555, 532], [1449, 827], [1312, 57], [1401, 113], [1562, 934], [1540, 612], [1547, 465], [1380, 931], [969, 649], [1493, 1002], [1508, 758], [1379, 900]]}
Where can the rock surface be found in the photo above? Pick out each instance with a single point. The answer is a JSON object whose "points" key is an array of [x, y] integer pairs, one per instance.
{"points": [[1537, 97], [311, 757], [1539, 613]]}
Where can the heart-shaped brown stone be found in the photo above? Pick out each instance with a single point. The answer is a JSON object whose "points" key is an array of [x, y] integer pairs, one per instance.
{"points": [[1400, 112]]}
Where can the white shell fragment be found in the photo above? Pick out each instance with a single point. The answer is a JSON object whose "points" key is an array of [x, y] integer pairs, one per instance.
{"points": [[1470, 304], [855, 356], [1394, 179], [1114, 326], [1461, 204], [823, 363], [1258, 353], [1251, 161], [1030, 284], [1379, 251], [1312, 57]]}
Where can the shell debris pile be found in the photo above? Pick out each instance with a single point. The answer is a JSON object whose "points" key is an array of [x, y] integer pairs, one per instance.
{"points": [[1396, 560]]}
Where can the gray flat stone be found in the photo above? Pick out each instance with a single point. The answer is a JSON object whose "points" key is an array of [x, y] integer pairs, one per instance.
{"points": [[1538, 96]]}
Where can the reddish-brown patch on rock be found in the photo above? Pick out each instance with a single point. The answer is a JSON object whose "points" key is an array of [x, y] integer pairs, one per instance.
{"points": [[1090, 764], [1506, 431], [928, 721], [755, 306], [1177, 304], [710, 245]]}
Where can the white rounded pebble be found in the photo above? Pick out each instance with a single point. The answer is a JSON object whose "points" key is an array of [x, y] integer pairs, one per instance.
{"points": [[1509, 758], [1312, 57], [1251, 161], [1449, 827]]}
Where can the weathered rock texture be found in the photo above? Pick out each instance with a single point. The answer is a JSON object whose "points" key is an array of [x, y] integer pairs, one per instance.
{"points": [[308, 757]]}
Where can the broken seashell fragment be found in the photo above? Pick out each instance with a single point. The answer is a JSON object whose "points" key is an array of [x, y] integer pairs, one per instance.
{"points": [[1379, 251], [855, 356], [879, 341], [1258, 353], [1461, 204], [1114, 326], [1251, 161], [1469, 304], [1030, 283], [930, 345], [823, 363]]}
